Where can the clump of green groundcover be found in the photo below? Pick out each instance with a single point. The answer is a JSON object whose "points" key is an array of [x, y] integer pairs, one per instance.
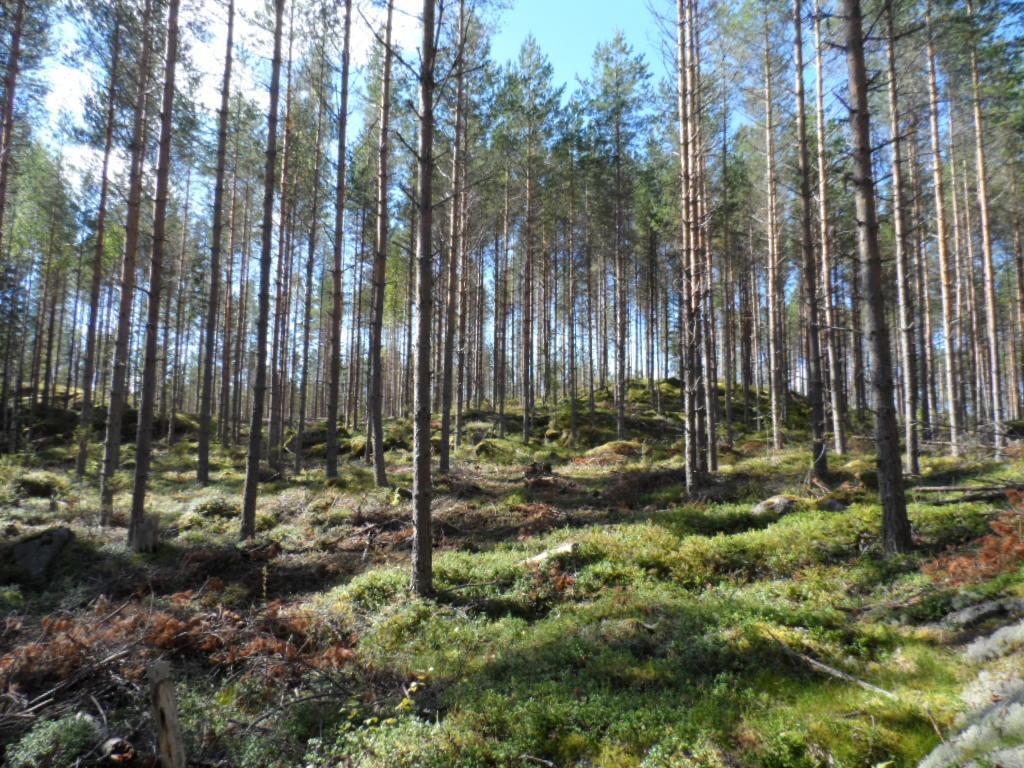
{"points": [[40, 485], [55, 742], [218, 506]]}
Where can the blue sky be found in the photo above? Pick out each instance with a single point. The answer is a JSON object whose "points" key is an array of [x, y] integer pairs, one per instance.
{"points": [[566, 30], [569, 30]]}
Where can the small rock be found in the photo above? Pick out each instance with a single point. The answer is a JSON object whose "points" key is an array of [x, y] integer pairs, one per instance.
{"points": [[831, 505], [775, 506]]}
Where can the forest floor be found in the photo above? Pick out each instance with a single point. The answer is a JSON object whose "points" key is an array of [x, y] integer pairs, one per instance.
{"points": [[659, 631]]}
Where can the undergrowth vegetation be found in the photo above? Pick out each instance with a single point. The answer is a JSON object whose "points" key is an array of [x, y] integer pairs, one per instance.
{"points": [[588, 612]]}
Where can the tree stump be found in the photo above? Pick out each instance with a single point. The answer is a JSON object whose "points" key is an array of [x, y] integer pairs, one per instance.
{"points": [[165, 716]]}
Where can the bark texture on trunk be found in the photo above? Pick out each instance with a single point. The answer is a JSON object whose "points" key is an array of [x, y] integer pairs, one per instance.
{"points": [[206, 400], [252, 464], [422, 550], [895, 524], [143, 440]]}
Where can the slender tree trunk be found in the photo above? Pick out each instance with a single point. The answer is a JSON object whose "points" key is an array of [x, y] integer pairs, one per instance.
{"points": [[422, 568], [224, 406], [144, 437], [895, 524], [1018, 250], [948, 323], [10, 91], [137, 149], [314, 222], [775, 351], [501, 366], [278, 354], [177, 378], [88, 369], [832, 333], [908, 366], [206, 402], [819, 455], [454, 259], [375, 405], [337, 297], [252, 464], [688, 319], [991, 305]]}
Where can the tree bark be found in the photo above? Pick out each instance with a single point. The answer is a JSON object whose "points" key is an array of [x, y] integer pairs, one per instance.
{"points": [[819, 455], [10, 91], [904, 288], [375, 404], [337, 297], [991, 305], [89, 366], [422, 567], [252, 464], [206, 403], [144, 436], [948, 323], [832, 333], [137, 150], [895, 524], [314, 222]]}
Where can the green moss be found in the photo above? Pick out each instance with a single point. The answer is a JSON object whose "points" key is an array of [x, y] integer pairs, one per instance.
{"points": [[40, 484], [54, 742]]}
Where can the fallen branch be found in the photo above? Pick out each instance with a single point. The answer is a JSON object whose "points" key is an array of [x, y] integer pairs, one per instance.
{"points": [[965, 488], [832, 671]]}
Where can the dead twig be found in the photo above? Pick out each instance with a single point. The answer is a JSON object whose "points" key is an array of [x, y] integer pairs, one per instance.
{"points": [[832, 671]]}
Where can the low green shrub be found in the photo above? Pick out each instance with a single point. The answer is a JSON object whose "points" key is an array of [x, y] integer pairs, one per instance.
{"points": [[55, 742], [39, 484]]}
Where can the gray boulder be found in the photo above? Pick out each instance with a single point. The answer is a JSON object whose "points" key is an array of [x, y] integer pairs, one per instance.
{"points": [[31, 559]]}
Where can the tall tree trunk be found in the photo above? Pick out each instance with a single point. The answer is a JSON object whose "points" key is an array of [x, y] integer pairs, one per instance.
{"points": [[137, 150], [10, 91], [88, 369], [375, 404], [278, 348], [948, 323], [688, 318], [455, 256], [337, 297], [1018, 250], [819, 455], [224, 407], [144, 437], [775, 295], [501, 362], [832, 332], [314, 225], [252, 464], [206, 401], [904, 290], [895, 524], [991, 305], [422, 567]]}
